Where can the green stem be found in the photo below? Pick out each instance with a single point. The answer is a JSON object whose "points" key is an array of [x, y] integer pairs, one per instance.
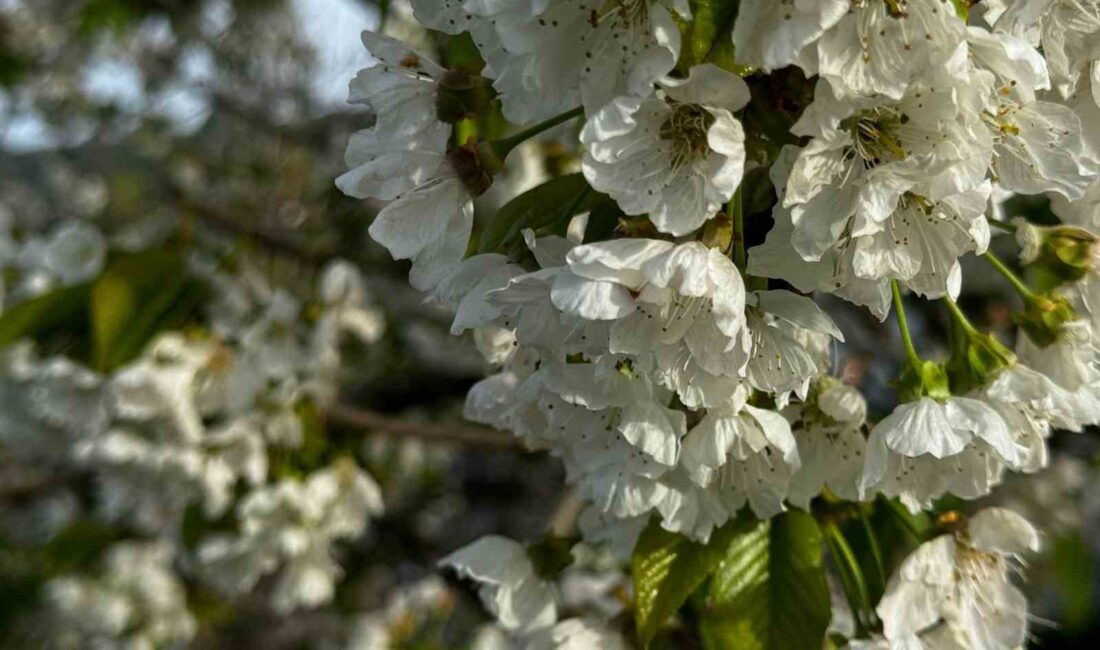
{"points": [[902, 515], [504, 146], [737, 213], [959, 316], [876, 552], [1001, 225], [851, 577], [903, 326], [1025, 292]]}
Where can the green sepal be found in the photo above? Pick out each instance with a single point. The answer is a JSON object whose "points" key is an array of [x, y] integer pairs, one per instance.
{"points": [[1066, 254], [926, 379], [977, 359], [1043, 318]]}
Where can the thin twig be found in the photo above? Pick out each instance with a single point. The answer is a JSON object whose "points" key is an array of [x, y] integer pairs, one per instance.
{"points": [[377, 423]]}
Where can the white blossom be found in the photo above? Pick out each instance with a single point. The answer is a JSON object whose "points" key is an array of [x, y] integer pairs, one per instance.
{"points": [[677, 158], [508, 586], [928, 447], [962, 580], [828, 430]]}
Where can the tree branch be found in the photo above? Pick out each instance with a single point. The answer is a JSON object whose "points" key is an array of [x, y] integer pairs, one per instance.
{"points": [[379, 424]]}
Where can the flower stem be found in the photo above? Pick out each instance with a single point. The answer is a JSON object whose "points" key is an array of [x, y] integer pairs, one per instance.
{"points": [[876, 552], [1025, 292], [959, 316], [504, 146], [903, 326], [1001, 225], [737, 213], [851, 576]]}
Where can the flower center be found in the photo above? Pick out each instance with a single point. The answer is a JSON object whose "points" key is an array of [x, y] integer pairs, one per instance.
{"points": [[876, 135], [629, 14], [686, 132], [976, 566]]}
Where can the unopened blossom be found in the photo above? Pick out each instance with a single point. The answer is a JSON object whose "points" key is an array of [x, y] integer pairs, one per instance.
{"points": [[677, 157], [962, 580]]}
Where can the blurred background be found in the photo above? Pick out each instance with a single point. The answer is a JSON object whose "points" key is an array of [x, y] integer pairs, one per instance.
{"points": [[221, 124]]}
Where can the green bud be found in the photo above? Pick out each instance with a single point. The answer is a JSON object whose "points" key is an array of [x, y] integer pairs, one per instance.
{"points": [[978, 358], [928, 379], [1043, 318]]}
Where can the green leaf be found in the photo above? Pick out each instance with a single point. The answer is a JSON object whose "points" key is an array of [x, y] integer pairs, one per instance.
{"points": [[39, 316], [769, 593], [537, 208], [667, 568], [136, 297]]}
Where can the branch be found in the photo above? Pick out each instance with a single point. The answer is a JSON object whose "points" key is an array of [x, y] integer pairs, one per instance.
{"points": [[379, 424]]}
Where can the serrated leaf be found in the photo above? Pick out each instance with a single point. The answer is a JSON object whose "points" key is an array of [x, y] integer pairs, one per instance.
{"points": [[769, 592], [537, 208], [667, 568]]}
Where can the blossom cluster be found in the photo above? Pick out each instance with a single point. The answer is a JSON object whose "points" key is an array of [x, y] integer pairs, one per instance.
{"points": [[187, 450], [677, 374]]}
